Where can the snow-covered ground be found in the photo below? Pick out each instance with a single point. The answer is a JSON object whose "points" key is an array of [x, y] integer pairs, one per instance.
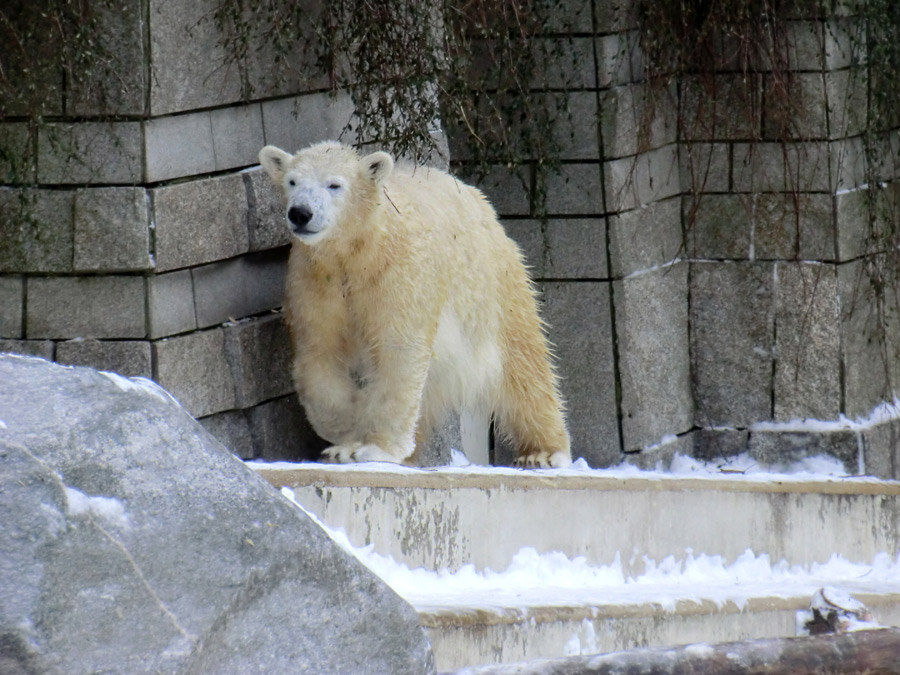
{"points": [[553, 579]]}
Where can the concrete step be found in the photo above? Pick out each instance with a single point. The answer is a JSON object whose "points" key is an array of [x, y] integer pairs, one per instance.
{"points": [[448, 518]]}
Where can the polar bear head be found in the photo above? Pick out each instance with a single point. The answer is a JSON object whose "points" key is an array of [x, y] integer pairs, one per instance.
{"points": [[324, 185]]}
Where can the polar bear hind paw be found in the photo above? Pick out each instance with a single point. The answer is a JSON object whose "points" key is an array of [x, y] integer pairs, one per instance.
{"points": [[544, 460], [357, 452]]}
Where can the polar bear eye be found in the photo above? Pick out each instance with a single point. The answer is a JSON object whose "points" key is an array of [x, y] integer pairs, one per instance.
{"points": [[334, 186], [292, 182]]}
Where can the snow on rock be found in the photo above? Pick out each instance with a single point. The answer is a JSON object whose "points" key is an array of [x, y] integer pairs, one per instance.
{"points": [[833, 610], [108, 509]]}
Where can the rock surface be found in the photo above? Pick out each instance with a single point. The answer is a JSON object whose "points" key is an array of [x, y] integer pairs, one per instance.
{"points": [[132, 542]]}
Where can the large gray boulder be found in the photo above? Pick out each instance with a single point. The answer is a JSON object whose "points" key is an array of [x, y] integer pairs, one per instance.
{"points": [[132, 542]]}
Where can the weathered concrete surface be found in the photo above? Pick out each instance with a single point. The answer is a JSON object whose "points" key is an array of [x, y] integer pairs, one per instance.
{"points": [[438, 519], [545, 632], [132, 542]]}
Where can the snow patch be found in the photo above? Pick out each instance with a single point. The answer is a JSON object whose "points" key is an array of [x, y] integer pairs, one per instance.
{"points": [[886, 411], [139, 384], [553, 579], [109, 509], [699, 650]]}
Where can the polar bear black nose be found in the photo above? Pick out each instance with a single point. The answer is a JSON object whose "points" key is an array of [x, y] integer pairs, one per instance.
{"points": [[299, 216]]}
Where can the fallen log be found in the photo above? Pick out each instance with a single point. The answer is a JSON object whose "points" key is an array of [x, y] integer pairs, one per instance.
{"points": [[866, 652]]}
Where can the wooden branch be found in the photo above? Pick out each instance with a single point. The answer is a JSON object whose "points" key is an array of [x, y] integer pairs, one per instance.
{"points": [[867, 652]]}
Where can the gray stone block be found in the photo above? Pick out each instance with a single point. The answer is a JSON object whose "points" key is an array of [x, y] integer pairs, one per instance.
{"points": [[848, 164], [852, 217], [90, 152], [237, 135], [112, 230], [570, 16], [844, 38], [578, 314], [722, 108], [573, 190], [797, 108], [644, 238], [180, 79], [793, 226], [774, 448], [12, 296], [882, 450], [17, 161], [716, 444], [805, 42], [867, 360], [200, 221], [640, 180], [36, 231], [634, 120], [615, 17], [856, 233], [654, 356], [99, 307], [130, 357], [195, 369], [705, 167], [267, 222], [576, 249], [773, 167], [170, 304], [617, 54], [270, 72], [118, 83], [508, 190], [847, 94], [38, 82], [720, 226], [566, 63], [732, 342], [575, 128], [437, 450], [232, 430], [658, 457], [181, 145], [259, 354], [41, 348], [807, 324], [529, 235], [233, 289], [324, 117], [280, 432]]}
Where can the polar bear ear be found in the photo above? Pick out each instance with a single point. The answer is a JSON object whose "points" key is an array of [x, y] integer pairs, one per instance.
{"points": [[275, 162], [378, 166]]}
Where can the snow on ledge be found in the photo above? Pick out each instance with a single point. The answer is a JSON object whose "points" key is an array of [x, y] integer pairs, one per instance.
{"points": [[553, 579], [740, 469]]}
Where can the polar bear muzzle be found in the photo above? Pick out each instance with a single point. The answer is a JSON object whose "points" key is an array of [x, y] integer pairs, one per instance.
{"points": [[299, 216]]}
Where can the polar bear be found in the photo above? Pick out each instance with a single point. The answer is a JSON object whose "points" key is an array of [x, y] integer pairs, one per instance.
{"points": [[405, 300]]}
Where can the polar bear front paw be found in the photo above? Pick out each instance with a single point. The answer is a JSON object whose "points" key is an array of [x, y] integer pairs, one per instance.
{"points": [[357, 452], [544, 460]]}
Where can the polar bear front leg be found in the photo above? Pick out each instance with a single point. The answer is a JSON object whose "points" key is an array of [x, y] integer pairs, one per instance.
{"points": [[390, 403]]}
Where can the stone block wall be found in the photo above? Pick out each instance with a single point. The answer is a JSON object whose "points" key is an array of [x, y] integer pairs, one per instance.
{"points": [[137, 235], [703, 282]]}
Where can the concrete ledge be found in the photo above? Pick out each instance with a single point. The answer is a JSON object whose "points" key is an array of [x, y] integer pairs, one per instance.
{"points": [[477, 637], [320, 475], [484, 517]]}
